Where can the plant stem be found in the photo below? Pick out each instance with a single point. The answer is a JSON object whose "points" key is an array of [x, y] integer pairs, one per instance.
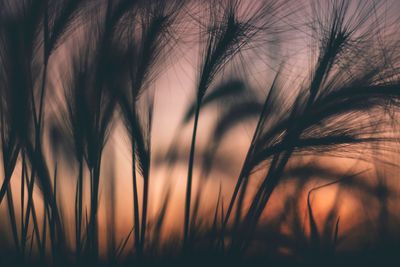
{"points": [[135, 199], [190, 176]]}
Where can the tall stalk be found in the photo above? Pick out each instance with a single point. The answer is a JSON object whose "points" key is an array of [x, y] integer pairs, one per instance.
{"points": [[78, 210], [227, 34], [136, 226], [244, 172], [190, 176]]}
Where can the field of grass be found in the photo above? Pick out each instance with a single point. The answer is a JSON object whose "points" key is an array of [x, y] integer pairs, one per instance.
{"points": [[311, 181]]}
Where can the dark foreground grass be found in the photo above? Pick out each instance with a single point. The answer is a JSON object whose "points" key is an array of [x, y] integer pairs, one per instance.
{"points": [[70, 70]]}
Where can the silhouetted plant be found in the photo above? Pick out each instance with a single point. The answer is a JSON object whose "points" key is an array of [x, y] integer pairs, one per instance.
{"points": [[227, 33], [67, 67]]}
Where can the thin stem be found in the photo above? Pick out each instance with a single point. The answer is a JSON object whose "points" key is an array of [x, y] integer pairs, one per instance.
{"points": [[79, 210], [189, 178], [144, 211], [13, 222], [135, 200]]}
